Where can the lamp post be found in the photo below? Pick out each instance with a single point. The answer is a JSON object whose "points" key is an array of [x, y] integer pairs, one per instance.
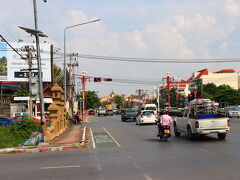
{"points": [[64, 64], [40, 83]]}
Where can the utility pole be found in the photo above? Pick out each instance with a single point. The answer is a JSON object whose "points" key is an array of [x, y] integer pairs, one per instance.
{"points": [[29, 58], [71, 66], [158, 99], [39, 65]]}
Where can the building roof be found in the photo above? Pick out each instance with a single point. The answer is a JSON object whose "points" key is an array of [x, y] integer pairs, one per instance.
{"points": [[201, 72], [226, 71]]}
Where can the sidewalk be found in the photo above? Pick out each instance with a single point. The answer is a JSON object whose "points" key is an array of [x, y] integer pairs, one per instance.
{"points": [[72, 138]]}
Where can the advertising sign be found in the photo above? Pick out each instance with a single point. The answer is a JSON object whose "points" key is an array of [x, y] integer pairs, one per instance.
{"points": [[15, 69]]}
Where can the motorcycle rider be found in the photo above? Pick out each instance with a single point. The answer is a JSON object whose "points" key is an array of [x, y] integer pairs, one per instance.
{"points": [[165, 120]]}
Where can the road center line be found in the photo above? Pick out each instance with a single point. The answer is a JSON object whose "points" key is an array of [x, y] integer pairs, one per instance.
{"points": [[93, 142], [112, 137], [59, 167]]}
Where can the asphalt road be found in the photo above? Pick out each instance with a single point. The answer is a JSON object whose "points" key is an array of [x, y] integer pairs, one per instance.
{"points": [[133, 153]]}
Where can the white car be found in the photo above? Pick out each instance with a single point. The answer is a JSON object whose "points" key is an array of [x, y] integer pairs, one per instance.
{"points": [[233, 111], [146, 117]]}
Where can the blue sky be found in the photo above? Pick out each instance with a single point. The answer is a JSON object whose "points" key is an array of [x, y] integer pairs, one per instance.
{"points": [[134, 28]]}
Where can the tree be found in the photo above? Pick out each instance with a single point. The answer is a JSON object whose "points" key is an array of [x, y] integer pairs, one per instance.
{"points": [[22, 91], [92, 100], [118, 101], [222, 93], [56, 71]]}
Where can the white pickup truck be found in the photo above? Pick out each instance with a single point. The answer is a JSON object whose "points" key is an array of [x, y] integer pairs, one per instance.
{"points": [[202, 124]]}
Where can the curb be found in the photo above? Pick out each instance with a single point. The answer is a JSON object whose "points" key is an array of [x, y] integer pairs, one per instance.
{"points": [[37, 149]]}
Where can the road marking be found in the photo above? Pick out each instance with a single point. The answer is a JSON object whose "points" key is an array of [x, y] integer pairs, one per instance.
{"points": [[93, 142], [136, 165], [59, 167], [129, 157], [112, 137], [147, 177], [99, 167]]}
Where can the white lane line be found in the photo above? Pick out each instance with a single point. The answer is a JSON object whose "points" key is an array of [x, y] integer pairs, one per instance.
{"points": [[59, 167], [129, 157], [93, 142], [112, 137], [99, 167], [136, 165], [147, 177]]}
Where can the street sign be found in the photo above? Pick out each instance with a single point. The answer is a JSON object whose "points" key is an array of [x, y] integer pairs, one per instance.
{"points": [[80, 99], [23, 74]]}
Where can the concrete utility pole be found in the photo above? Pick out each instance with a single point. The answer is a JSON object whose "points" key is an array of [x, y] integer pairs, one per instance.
{"points": [[71, 66], [29, 58], [39, 65]]}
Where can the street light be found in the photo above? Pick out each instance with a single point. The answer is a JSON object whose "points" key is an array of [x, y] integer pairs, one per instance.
{"points": [[64, 65], [40, 82]]}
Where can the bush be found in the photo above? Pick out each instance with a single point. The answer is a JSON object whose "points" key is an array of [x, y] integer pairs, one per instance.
{"points": [[13, 135]]}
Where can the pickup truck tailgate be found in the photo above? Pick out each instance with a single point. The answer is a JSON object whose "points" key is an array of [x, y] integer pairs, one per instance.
{"points": [[213, 123]]}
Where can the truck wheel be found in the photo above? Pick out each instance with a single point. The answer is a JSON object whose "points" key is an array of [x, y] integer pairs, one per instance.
{"points": [[189, 133], [221, 136], [176, 132]]}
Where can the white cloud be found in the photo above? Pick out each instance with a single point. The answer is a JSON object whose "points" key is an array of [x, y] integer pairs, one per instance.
{"points": [[233, 8]]}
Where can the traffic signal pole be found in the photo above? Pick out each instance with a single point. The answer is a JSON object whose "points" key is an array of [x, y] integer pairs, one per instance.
{"points": [[84, 79]]}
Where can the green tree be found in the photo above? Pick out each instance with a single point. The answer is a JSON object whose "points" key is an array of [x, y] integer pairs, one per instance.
{"points": [[92, 100], [22, 91], [118, 101], [56, 71]]}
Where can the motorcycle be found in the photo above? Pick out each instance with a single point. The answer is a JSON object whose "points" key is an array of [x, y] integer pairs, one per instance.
{"points": [[165, 133]]}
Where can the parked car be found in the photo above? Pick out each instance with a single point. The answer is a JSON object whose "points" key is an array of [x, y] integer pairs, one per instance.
{"points": [[91, 112], [24, 118], [146, 117], [19, 114], [128, 114], [4, 121], [102, 112]]}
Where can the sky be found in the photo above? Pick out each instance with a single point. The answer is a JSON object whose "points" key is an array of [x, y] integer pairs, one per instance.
{"points": [[179, 29]]}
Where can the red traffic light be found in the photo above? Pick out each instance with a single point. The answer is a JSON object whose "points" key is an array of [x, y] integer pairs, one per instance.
{"points": [[97, 79]]}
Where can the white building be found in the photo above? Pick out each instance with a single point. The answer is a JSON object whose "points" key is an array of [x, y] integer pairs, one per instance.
{"points": [[224, 76]]}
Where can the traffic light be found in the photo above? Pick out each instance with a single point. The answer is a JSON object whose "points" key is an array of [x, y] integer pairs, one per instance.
{"points": [[97, 79], [107, 79]]}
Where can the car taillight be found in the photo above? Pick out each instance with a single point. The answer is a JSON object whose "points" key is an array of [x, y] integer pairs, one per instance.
{"points": [[141, 115], [196, 124], [228, 122]]}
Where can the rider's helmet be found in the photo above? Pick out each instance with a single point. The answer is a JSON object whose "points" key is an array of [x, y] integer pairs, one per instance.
{"points": [[165, 112]]}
